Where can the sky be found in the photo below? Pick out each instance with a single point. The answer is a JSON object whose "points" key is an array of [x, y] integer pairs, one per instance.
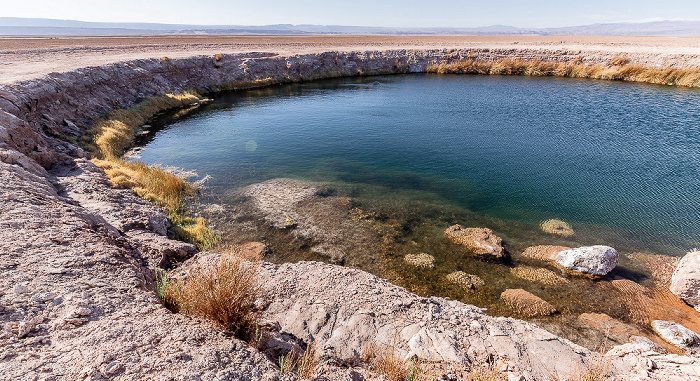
{"points": [[389, 13]]}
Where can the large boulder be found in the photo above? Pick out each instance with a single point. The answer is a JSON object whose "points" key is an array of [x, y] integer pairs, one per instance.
{"points": [[480, 241], [685, 282], [595, 260]]}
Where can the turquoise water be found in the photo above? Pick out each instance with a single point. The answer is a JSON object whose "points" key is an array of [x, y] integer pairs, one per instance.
{"points": [[619, 161]]}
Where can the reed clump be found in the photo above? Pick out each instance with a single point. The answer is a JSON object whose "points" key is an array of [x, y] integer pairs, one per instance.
{"points": [[620, 70], [224, 292]]}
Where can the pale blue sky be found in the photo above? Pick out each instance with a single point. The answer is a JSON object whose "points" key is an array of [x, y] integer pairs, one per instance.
{"points": [[405, 13]]}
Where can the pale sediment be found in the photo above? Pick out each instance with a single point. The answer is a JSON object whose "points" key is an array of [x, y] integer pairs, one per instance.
{"points": [[78, 255]]}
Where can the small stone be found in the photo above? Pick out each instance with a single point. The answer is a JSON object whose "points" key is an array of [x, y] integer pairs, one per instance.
{"points": [[113, 368], [464, 280], [43, 297], [82, 311], [526, 304], [557, 227], [422, 260], [20, 289]]}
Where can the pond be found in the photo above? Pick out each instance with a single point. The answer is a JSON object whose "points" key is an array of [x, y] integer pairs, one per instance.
{"points": [[410, 155]]}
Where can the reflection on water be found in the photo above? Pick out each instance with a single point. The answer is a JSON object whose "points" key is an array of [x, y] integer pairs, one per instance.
{"points": [[620, 162]]}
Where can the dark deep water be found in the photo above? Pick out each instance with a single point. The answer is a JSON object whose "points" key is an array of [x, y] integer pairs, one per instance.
{"points": [[619, 161]]}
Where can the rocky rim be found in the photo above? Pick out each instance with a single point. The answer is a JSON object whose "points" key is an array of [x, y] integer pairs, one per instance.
{"points": [[77, 256]]}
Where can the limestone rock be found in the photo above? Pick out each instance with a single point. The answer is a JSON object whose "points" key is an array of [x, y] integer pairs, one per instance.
{"points": [[557, 227], [464, 280], [422, 260], [160, 251], [593, 260], [480, 241], [685, 282], [544, 253], [677, 335], [526, 304]]}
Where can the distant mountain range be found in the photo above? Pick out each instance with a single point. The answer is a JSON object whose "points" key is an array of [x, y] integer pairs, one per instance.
{"points": [[14, 26]]}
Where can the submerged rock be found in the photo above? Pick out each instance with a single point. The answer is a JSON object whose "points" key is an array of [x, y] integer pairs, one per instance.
{"points": [[526, 304], [535, 274], [544, 252], [685, 281], [557, 227], [596, 260], [480, 241], [253, 250], [678, 335], [464, 280], [422, 260]]}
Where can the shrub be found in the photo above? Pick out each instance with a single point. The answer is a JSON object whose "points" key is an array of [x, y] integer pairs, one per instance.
{"points": [[224, 292]]}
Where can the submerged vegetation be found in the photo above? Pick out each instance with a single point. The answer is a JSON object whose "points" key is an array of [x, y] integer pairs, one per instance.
{"points": [[619, 70]]}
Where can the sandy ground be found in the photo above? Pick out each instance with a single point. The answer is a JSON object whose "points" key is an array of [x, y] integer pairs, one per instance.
{"points": [[28, 58]]}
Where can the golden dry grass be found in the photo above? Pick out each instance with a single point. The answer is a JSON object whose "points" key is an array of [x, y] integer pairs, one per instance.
{"points": [[619, 69], [164, 188], [223, 292], [113, 134]]}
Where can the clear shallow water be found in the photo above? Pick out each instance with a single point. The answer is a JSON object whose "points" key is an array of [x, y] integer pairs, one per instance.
{"points": [[619, 161]]}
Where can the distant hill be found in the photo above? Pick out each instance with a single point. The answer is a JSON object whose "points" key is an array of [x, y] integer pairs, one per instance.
{"points": [[14, 26]]}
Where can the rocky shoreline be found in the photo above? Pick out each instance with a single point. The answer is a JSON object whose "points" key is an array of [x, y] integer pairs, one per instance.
{"points": [[78, 255]]}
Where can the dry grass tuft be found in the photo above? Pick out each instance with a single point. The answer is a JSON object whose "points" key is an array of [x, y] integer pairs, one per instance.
{"points": [[388, 362], [164, 188], [596, 369], [490, 372], [619, 70], [224, 292], [304, 363]]}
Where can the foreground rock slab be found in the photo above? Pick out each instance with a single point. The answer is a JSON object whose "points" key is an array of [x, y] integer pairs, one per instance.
{"points": [[596, 260], [480, 241], [685, 281]]}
